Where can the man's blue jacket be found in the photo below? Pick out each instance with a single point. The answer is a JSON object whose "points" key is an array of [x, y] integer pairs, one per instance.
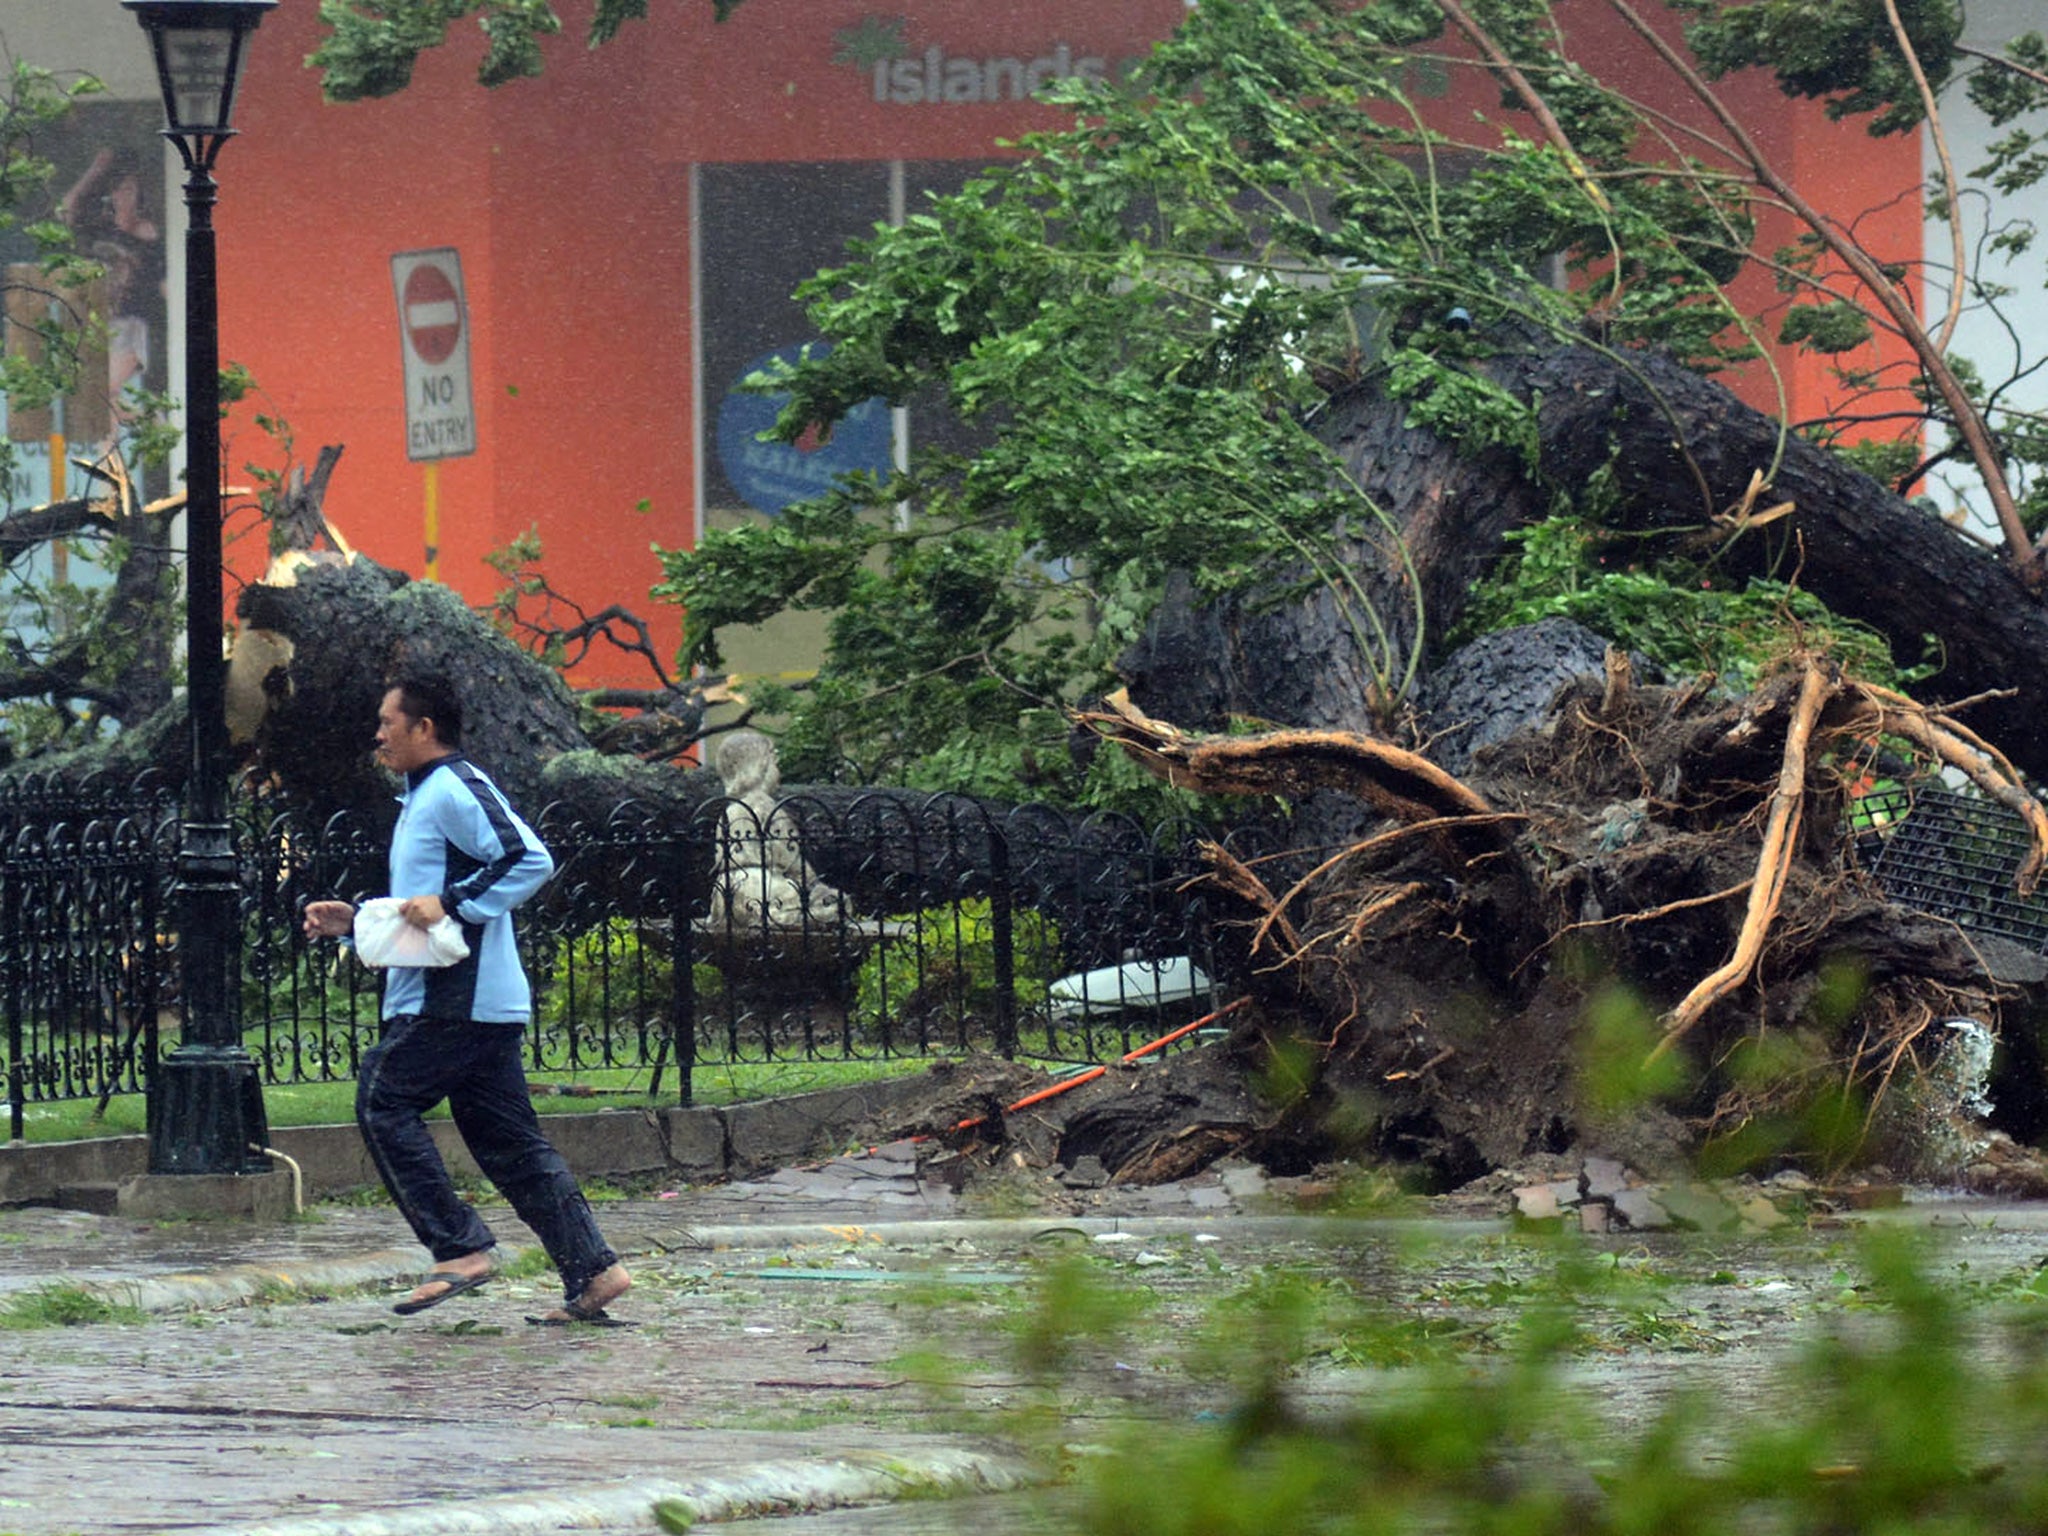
{"points": [[459, 838]]}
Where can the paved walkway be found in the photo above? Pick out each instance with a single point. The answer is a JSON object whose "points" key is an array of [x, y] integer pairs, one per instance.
{"points": [[257, 1381]]}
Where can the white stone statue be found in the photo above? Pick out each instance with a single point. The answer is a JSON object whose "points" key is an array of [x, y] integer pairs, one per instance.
{"points": [[761, 876]]}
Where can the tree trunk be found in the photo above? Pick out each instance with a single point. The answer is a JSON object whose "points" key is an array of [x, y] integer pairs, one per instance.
{"points": [[1681, 450], [349, 626]]}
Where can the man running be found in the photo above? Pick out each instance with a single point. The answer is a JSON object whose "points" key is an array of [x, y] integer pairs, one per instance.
{"points": [[455, 1032]]}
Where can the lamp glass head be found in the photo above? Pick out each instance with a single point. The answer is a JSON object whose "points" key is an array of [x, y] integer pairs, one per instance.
{"points": [[198, 47]]}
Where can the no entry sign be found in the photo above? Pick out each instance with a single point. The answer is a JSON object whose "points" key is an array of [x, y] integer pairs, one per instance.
{"points": [[433, 325], [432, 308]]}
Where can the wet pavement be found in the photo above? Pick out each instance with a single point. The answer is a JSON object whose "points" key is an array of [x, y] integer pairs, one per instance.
{"points": [[256, 1380], [834, 1336]]}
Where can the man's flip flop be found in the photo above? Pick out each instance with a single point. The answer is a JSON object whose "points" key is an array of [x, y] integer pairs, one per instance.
{"points": [[454, 1285]]}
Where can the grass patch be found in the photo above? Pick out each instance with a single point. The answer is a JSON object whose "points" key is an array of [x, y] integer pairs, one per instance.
{"points": [[64, 1306], [610, 1088]]}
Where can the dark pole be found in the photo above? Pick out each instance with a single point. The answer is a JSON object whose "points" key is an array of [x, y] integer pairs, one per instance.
{"points": [[205, 1101]]}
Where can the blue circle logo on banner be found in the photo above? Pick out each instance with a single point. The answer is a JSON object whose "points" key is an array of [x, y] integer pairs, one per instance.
{"points": [[771, 475]]}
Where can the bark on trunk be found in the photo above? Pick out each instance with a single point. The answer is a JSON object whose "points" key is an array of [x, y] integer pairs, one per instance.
{"points": [[1681, 450]]}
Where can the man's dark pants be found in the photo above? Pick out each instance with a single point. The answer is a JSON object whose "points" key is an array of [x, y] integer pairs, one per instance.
{"points": [[476, 1068]]}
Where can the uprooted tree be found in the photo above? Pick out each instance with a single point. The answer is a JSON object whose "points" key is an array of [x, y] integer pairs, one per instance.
{"points": [[1667, 858]]}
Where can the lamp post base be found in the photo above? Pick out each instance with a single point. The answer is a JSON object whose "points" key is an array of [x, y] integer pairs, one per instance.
{"points": [[205, 1113], [201, 1196]]}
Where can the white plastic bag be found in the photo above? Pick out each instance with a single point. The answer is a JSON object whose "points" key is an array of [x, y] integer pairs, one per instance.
{"points": [[384, 938]]}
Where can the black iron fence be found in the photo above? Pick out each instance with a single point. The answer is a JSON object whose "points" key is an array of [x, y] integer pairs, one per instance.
{"points": [[1957, 855], [853, 925]]}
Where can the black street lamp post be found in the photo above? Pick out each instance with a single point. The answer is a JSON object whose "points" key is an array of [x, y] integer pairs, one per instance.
{"points": [[205, 1105]]}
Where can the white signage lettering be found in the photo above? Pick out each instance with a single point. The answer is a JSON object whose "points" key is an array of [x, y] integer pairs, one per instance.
{"points": [[900, 73], [934, 76]]}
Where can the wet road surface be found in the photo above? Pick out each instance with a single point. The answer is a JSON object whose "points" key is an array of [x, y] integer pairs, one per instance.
{"points": [[315, 1410]]}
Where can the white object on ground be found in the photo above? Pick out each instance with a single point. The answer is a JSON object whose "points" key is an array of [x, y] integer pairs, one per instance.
{"points": [[1136, 984]]}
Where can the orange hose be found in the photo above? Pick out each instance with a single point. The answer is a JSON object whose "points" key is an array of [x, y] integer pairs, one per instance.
{"points": [[1186, 1029], [1057, 1088]]}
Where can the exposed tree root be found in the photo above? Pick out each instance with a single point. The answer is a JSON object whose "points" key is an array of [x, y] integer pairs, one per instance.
{"points": [[1648, 914], [1182, 1152], [1422, 962], [1234, 875], [1382, 899], [1827, 703], [1377, 906], [1766, 891], [1394, 782]]}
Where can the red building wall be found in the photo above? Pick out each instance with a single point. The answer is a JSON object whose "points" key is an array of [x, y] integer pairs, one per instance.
{"points": [[568, 199], [1871, 185]]}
